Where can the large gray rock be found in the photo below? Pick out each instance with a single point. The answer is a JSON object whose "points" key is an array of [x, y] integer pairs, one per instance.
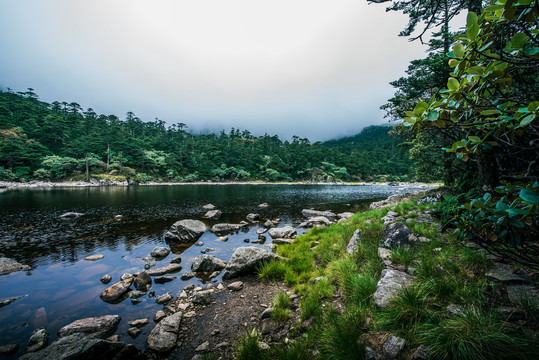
{"points": [[115, 291], [313, 213], [8, 265], [213, 214], [8, 301], [142, 281], [164, 270], [503, 274], [246, 260], [185, 231], [81, 346], [287, 232], [160, 252], [353, 243], [398, 235], [317, 220], [517, 293], [164, 335], [222, 229], [390, 283], [252, 217], [393, 346], [390, 217], [207, 263], [94, 326], [38, 340], [345, 215]]}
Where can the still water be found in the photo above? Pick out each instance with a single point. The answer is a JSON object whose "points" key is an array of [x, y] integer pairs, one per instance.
{"points": [[62, 287]]}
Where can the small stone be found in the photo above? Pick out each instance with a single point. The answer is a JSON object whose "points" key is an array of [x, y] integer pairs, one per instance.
{"points": [[9, 349], [183, 295], [189, 314], [139, 323], [212, 275], [38, 341], [163, 299], [215, 332], [204, 347], [222, 238], [134, 332], [235, 286], [262, 345], [188, 275], [176, 260], [136, 301], [189, 287], [114, 338], [220, 286], [135, 294], [94, 257], [370, 354], [202, 297], [148, 266], [199, 243], [105, 279], [159, 315], [266, 314], [501, 273], [164, 279], [126, 276], [421, 353], [246, 241], [222, 345], [160, 252], [455, 310], [183, 307]]}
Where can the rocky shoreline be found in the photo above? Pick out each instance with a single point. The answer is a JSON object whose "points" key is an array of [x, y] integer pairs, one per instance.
{"points": [[193, 307], [40, 185]]}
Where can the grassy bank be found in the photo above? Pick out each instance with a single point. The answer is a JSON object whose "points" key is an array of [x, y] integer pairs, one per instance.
{"points": [[450, 307]]}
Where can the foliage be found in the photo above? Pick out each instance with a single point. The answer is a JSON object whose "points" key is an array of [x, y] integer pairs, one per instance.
{"points": [[340, 338], [248, 348]]}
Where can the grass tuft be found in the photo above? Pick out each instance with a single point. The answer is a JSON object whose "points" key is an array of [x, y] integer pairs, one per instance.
{"points": [[406, 311], [248, 348], [403, 256], [340, 338], [272, 271]]}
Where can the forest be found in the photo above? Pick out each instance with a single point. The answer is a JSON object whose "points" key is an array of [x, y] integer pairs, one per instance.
{"points": [[57, 141]]}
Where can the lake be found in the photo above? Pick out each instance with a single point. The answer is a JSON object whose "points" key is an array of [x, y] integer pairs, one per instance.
{"points": [[62, 287]]}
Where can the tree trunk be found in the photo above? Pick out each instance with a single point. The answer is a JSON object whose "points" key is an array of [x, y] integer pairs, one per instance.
{"points": [[87, 172], [488, 171]]}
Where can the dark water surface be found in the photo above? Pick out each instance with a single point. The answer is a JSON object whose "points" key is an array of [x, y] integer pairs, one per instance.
{"points": [[62, 287]]}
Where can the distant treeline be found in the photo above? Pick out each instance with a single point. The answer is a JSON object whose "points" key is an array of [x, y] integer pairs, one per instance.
{"points": [[60, 140]]}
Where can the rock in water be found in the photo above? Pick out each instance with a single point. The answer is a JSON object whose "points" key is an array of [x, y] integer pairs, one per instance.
{"points": [[142, 281], [115, 291], [8, 265], [246, 260], [81, 346], [8, 301], [71, 215], [222, 229], [94, 326], [165, 270], [207, 263], [94, 257], [160, 252], [398, 235], [164, 335], [313, 213], [209, 207], [390, 283], [38, 341], [213, 214], [185, 231], [353, 243], [287, 232], [253, 217]]}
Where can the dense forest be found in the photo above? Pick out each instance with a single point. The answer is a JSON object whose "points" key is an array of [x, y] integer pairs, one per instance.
{"points": [[55, 141]]}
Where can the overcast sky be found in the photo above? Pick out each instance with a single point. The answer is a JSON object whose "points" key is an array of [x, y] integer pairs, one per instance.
{"points": [[313, 68]]}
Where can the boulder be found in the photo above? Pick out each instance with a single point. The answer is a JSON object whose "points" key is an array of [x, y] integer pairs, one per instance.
{"points": [[516, 293], [185, 231], [253, 217], [71, 215], [282, 241], [202, 297], [81, 346], [115, 291], [207, 263], [353, 243], [390, 283], [164, 270], [222, 229], [345, 215], [269, 224], [160, 252], [164, 335], [287, 232], [213, 214], [317, 220], [501, 273], [313, 213], [246, 260], [393, 346], [139, 323], [38, 341], [188, 275], [8, 265], [142, 281], [398, 235], [94, 326]]}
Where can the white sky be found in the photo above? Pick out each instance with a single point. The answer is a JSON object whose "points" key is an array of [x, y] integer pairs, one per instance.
{"points": [[312, 68]]}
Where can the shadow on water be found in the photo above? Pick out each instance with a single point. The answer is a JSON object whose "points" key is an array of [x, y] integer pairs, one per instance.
{"points": [[63, 287]]}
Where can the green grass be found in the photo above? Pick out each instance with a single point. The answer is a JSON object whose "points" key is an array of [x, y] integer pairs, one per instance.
{"points": [[473, 260], [476, 335], [248, 348], [298, 350], [406, 311], [339, 339], [403, 256], [273, 270], [310, 306], [281, 307]]}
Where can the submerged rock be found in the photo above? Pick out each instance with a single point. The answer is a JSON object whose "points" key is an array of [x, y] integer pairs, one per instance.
{"points": [[213, 214], [246, 260], [164, 335], [165, 270], [222, 229], [115, 291], [314, 213], [314, 221], [208, 207], [160, 252], [185, 231], [81, 346], [94, 326], [8, 265], [38, 340], [390, 283], [94, 257], [8, 301], [253, 217], [143, 281], [71, 215]]}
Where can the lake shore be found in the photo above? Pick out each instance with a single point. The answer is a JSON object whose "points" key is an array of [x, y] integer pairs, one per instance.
{"points": [[12, 185]]}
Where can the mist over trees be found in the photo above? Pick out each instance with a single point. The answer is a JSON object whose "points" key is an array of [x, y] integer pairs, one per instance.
{"points": [[63, 141]]}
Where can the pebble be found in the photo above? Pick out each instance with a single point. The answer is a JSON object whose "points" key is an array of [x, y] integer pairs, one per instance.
{"points": [[204, 347], [235, 286], [176, 260], [215, 332], [139, 323], [136, 301], [134, 332], [159, 315], [106, 279], [94, 257], [200, 243], [163, 299]]}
